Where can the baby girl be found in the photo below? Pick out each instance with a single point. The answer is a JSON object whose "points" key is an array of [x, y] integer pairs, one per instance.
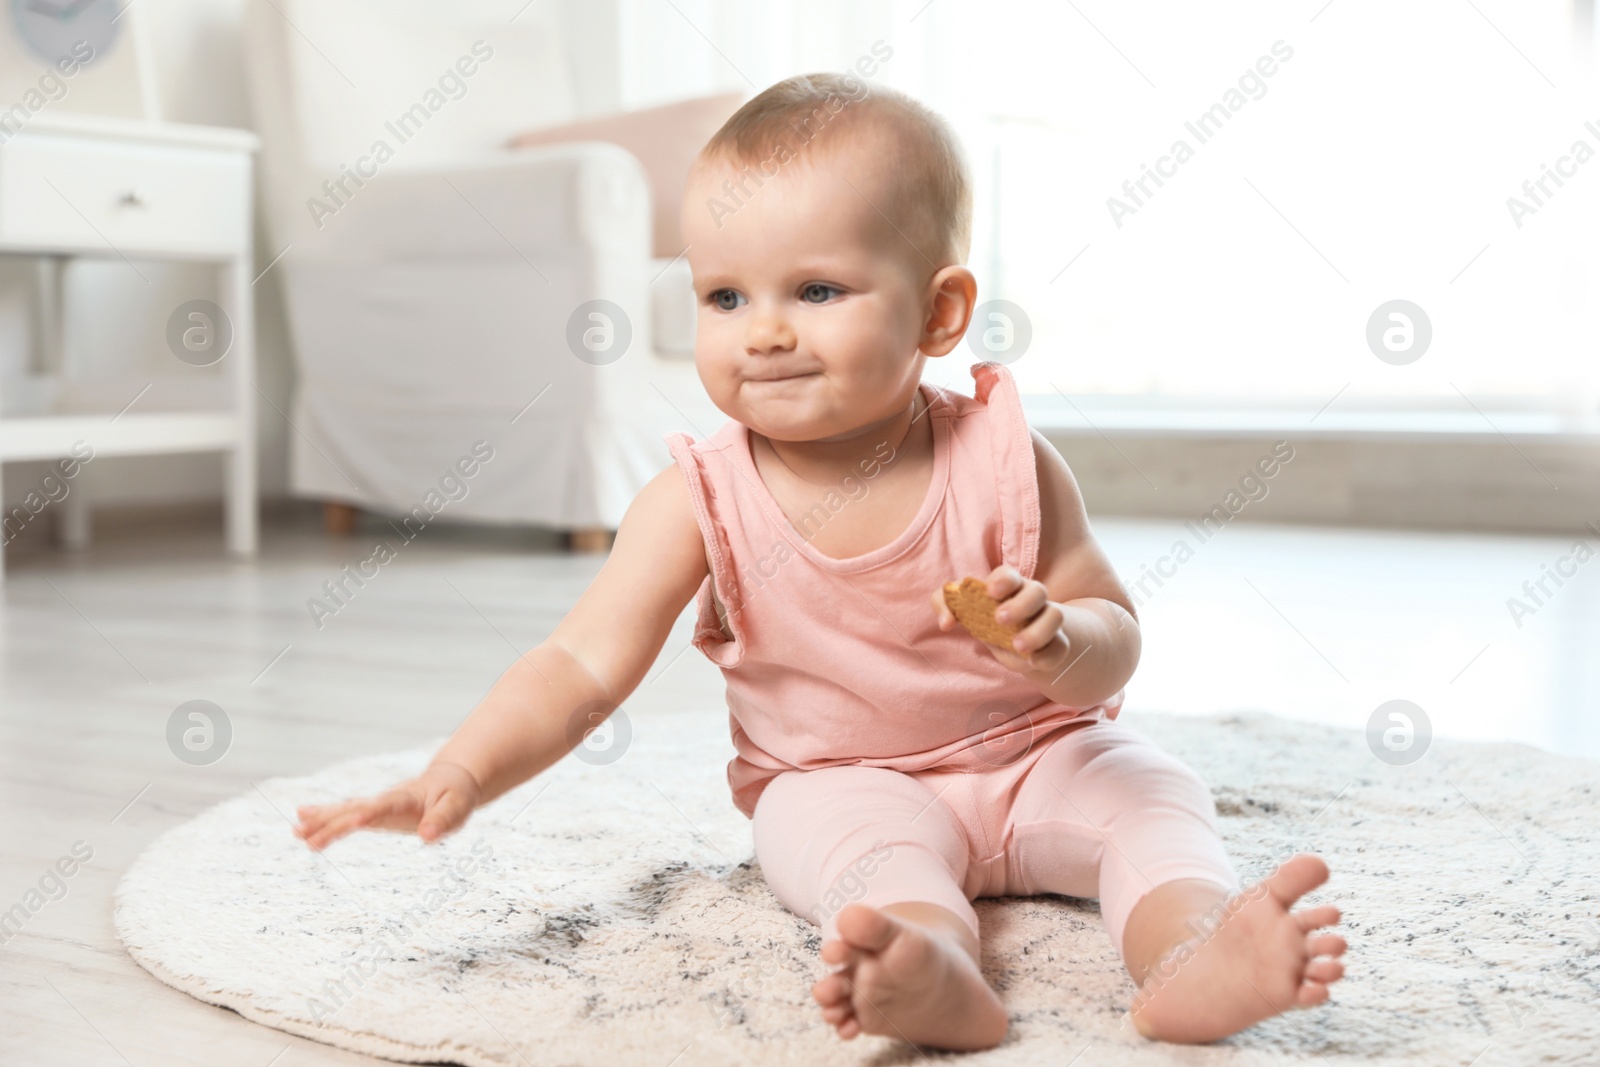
{"points": [[895, 767]]}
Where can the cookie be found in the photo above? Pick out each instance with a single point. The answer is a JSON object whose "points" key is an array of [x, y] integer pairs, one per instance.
{"points": [[969, 601]]}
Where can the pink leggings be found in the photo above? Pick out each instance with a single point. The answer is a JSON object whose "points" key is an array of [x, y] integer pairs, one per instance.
{"points": [[1096, 810]]}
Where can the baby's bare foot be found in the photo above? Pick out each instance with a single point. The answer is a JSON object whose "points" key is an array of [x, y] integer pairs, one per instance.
{"points": [[905, 980], [1262, 960]]}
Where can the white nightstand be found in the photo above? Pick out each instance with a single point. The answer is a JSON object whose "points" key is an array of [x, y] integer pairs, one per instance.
{"points": [[130, 190]]}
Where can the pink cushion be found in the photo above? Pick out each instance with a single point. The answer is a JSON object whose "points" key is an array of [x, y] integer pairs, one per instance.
{"points": [[665, 139]]}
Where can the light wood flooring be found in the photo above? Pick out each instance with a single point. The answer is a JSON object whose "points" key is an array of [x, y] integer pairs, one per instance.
{"points": [[98, 649]]}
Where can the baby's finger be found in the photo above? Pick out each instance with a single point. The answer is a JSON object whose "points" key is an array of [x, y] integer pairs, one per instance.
{"points": [[1046, 627], [1054, 657], [946, 620], [397, 809], [314, 811], [336, 829], [1022, 605], [445, 814], [315, 816], [1003, 581]]}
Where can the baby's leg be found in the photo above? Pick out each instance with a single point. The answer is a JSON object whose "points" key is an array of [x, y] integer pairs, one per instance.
{"points": [[878, 861], [1209, 960]]}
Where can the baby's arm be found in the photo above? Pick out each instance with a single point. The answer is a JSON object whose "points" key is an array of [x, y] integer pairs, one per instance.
{"points": [[598, 653], [1081, 631]]}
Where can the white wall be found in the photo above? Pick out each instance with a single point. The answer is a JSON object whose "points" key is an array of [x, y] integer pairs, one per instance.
{"points": [[117, 318]]}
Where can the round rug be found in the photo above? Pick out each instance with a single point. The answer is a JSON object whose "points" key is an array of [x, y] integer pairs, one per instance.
{"points": [[612, 913]]}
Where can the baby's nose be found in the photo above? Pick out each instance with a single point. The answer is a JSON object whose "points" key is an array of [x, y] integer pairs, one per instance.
{"points": [[768, 333]]}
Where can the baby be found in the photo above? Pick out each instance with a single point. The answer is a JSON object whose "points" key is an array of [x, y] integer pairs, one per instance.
{"points": [[894, 766]]}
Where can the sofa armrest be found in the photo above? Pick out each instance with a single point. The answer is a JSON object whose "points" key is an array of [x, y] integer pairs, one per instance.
{"points": [[665, 140], [554, 202]]}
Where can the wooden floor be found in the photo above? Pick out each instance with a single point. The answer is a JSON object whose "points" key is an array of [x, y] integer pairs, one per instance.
{"points": [[98, 650]]}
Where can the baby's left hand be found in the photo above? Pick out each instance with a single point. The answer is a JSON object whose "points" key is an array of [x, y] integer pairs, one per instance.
{"points": [[1040, 645]]}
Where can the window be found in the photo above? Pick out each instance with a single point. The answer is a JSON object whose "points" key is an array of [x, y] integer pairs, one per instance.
{"points": [[1336, 159]]}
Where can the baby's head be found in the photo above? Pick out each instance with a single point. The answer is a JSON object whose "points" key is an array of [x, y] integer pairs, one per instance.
{"points": [[827, 229]]}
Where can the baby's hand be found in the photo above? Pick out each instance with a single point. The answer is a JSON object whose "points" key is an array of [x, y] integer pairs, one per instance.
{"points": [[433, 804], [1040, 644]]}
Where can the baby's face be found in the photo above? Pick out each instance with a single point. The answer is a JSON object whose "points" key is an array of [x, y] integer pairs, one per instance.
{"points": [[811, 305]]}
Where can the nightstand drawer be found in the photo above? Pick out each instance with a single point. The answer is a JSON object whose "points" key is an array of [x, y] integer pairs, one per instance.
{"points": [[113, 197]]}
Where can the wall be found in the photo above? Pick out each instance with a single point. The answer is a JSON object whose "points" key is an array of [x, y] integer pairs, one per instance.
{"points": [[197, 48], [115, 321], [1487, 485]]}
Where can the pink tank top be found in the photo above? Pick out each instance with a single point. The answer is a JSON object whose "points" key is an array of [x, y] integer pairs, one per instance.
{"points": [[841, 661]]}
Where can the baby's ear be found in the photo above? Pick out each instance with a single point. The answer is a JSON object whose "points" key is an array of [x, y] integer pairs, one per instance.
{"points": [[952, 292]]}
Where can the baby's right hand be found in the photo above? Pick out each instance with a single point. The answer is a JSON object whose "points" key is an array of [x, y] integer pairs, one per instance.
{"points": [[434, 804]]}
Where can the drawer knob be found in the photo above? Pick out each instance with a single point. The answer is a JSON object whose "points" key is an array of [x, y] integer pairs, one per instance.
{"points": [[131, 199]]}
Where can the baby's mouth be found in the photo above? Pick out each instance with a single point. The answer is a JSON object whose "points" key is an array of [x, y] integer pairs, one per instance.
{"points": [[785, 377]]}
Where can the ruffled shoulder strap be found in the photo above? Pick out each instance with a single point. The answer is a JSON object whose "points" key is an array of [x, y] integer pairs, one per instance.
{"points": [[708, 636], [1016, 478]]}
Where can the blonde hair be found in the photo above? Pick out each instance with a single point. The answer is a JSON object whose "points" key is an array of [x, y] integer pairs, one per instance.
{"points": [[932, 201]]}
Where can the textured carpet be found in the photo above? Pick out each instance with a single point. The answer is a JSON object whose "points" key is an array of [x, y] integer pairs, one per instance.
{"points": [[613, 914]]}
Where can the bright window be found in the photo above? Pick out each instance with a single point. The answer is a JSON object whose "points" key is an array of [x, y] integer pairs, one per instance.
{"points": [[1373, 163]]}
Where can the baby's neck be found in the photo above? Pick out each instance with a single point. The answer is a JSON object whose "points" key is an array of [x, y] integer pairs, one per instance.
{"points": [[824, 460]]}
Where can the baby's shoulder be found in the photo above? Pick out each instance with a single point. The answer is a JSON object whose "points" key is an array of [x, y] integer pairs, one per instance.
{"points": [[665, 503]]}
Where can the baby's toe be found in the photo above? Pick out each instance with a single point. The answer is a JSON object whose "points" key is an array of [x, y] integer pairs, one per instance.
{"points": [[1309, 919], [838, 952], [837, 1013], [1311, 994], [865, 928], [1325, 971], [831, 990], [1327, 945]]}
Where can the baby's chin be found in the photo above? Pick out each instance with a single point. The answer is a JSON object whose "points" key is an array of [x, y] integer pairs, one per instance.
{"points": [[778, 410], [780, 426], [799, 428]]}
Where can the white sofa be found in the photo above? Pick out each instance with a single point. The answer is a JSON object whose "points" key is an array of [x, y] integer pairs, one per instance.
{"points": [[433, 274]]}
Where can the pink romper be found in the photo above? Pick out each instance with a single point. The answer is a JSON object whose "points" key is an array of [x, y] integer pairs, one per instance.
{"points": [[883, 760]]}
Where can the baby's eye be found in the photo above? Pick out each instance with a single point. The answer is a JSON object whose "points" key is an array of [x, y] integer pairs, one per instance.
{"points": [[726, 299], [817, 293]]}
